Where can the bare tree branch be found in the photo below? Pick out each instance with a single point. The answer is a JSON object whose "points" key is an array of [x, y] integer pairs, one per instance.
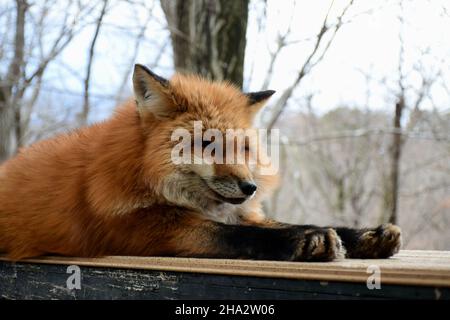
{"points": [[313, 59], [83, 118]]}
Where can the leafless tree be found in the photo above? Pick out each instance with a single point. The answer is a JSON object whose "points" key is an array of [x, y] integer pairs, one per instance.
{"points": [[32, 55], [9, 87], [402, 104], [318, 52]]}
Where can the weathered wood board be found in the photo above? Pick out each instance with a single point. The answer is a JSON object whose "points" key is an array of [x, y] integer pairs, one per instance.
{"points": [[409, 275]]}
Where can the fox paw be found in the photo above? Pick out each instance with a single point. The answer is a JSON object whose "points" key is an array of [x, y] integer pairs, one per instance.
{"points": [[381, 242], [319, 245]]}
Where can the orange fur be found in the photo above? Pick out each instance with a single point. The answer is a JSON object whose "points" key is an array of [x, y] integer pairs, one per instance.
{"points": [[102, 189]]}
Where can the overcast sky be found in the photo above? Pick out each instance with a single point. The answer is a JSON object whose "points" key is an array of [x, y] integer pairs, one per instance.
{"points": [[368, 45]]}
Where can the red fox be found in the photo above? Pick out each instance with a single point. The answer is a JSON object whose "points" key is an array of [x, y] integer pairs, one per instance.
{"points": [[113, 189]]}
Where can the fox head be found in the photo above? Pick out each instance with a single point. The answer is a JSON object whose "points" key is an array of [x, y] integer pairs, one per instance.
{"points": [[203, 122]]}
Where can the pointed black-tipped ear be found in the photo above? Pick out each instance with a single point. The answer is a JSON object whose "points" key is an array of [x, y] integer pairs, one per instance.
{"points": [[260, 96], [151, 92], [140, 69]]}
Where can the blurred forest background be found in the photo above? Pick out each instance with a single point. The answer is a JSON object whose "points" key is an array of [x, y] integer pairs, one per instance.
{"points": [[363, 90]]}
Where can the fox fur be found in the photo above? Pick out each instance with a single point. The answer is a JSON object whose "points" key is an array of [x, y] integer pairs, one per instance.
{"points": [[112, 189]]}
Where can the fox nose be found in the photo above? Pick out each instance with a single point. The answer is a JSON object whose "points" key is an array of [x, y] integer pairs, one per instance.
{"points": [[247, 188]]}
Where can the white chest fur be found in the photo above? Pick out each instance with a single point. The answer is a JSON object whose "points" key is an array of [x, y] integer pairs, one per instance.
{"points": [[225, 213]]}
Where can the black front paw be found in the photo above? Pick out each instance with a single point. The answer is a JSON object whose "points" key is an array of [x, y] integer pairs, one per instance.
{"points": [[382, 242], [378, 243], [318, 244]]}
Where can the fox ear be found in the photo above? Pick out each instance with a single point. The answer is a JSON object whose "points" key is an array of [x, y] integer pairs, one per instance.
{"points": [[256, 101], [259, 97], [151, 92]]}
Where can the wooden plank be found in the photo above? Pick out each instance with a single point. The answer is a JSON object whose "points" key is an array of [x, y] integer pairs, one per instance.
{"points": [[414, 268], [48, 281]]}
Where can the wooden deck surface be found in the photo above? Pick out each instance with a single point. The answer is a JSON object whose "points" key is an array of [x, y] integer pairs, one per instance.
{"points": [[414, 268]]}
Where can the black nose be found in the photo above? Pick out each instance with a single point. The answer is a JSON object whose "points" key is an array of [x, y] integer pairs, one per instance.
{"points": [[247, 188]]}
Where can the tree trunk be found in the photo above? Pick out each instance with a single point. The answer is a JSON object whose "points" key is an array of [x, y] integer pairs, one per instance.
{"points": [[10, 131], [6, 123], [392, 189], [208, 37]]}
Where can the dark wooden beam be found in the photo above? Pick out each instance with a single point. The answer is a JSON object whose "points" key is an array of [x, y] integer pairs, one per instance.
{"points": [[173, 278]]}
